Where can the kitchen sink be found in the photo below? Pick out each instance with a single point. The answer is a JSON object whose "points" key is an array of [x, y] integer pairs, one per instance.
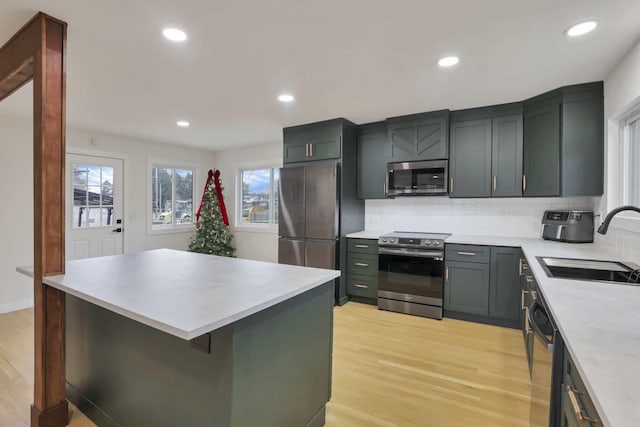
{"points": [[591, 270]]}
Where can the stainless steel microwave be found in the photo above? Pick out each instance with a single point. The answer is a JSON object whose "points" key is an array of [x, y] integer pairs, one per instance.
{"points": [[423, 178]]}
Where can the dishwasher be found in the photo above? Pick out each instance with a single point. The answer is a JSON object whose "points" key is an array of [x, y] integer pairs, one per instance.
{"points": [[546, 374]]}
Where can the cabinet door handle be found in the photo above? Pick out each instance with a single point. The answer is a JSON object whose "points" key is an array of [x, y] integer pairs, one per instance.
{"points": [[524, 183], [362, 286], [522, 307], [467, 253], [310, 150], [306, 150], [534, 295], [527, 327], [361, 264], [576, 407], [520, 267], [451, 185], [446, 274], [362, 246], [495, 183]]}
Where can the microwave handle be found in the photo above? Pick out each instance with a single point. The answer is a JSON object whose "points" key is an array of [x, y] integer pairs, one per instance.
{"points": [[536, 328]]}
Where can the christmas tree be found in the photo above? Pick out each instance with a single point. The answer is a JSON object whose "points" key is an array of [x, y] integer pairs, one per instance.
{"points": [[213, 235]]}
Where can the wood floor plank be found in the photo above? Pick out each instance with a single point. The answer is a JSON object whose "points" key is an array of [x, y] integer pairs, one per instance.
{"points": [[389, 370]]}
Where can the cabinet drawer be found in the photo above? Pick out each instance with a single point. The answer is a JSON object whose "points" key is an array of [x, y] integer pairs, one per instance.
{"points": [[362, 286], [580, 403], [468, 253], [363, 264], [362, 246]]}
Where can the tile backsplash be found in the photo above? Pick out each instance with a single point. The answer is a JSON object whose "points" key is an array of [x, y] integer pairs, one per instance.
{"points": [[498, 217], [624, 243]]}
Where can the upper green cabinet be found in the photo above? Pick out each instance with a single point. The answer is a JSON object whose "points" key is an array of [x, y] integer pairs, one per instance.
{"points": [[416, 137], [542, 150], [315, 141], [470, 163], [506, 156], [486, 152], [373, 150], [564, 142]]}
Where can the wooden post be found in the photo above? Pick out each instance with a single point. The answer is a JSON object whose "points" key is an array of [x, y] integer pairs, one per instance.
{"points": [[37, 52]]}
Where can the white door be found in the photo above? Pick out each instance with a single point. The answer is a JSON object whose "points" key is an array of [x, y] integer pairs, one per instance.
{"points": [[94, 206]]}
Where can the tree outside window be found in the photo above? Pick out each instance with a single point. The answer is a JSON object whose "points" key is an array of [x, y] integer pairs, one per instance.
{"points": [[171, 197], [258, 203]]}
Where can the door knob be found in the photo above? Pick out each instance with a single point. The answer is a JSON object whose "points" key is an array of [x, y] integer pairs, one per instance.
{"points": [[117, 230]]}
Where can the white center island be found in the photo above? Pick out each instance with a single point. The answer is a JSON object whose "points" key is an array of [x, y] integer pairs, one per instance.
{"points": [[172, 338]]}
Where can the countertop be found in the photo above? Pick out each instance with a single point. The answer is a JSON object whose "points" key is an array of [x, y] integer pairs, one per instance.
{"points": [[599, 323], [183, 293]]}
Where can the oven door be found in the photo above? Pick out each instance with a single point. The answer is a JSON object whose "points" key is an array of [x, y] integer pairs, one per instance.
{"points": [[411, 276]]}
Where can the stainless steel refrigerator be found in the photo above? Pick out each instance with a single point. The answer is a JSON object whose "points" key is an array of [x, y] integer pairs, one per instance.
{"points": [[309, 216]]}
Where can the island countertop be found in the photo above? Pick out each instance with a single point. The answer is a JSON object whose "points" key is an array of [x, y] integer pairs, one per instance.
{"points": [[184, 294]]}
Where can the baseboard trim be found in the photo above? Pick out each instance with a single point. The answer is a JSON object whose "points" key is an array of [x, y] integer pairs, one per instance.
{"points": [[16, 305], [89, 409]]}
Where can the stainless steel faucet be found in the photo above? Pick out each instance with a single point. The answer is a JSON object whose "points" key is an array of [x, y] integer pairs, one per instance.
{"points": [[605, 223]]}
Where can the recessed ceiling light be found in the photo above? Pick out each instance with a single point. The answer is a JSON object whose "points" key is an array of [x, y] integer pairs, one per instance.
{"points": [[183, 123], [174, 34], [582, 28], [285, 97], [448, 61]]}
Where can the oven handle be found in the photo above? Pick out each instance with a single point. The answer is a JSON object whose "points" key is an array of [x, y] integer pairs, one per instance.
{"points": [[536, 329], [420, 254]]}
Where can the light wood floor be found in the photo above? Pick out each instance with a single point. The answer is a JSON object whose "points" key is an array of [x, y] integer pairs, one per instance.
{"points": [[389, 370]]}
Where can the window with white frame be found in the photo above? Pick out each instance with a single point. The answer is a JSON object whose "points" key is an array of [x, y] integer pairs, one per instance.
{"points": [[171, 196], [631, 158], [258, 201]]}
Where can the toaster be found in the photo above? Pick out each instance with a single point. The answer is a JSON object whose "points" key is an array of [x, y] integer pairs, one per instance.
{"points": [[568, 226]]}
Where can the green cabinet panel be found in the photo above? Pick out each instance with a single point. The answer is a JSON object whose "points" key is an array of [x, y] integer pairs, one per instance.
{"points": [[362, 246], [507, 156], [585, 414], [362, 286], [316, 141], [419, 137], [542, 150], [373, 148], [505, 292], [466, 287], [362, 264], [470, 162], [583, 147], [468, 253]]}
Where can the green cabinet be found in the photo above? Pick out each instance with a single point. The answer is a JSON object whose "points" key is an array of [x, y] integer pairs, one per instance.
{"points": [[486, 152], [315, 141], [527, 284], [576, 407], [362, 269], [466, 287], [506, 156], [542, 150], [416, 137], [504, 289], [482, 283], [470, 162], [564, 142], [373, 148]]}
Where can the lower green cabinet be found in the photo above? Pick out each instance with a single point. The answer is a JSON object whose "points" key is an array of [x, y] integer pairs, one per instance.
{"points": [[576, 407], [362, 269], [483, 288], [466, 287], [504, 292]]}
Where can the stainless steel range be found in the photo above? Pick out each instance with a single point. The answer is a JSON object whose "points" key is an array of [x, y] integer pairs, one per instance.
{"points": [[410, 273]]}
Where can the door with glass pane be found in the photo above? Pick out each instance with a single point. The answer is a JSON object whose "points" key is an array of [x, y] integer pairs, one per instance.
{"points": [[94, 206]]}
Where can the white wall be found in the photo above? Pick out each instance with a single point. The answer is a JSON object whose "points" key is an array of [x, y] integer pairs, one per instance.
{"points": [[621, 91], [497, 217], [257, 242], [16, 193]]}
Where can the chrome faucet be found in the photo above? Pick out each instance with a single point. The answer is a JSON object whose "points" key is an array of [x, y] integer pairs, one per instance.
{"points": [[605, 223]]}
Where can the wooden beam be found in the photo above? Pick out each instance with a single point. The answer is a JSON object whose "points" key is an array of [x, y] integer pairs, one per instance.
{"points": [[37, 52]]}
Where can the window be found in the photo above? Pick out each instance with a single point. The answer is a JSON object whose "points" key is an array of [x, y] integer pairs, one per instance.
{"points": [[632, 160], [92, 196], [258, 201], [171, 197]]}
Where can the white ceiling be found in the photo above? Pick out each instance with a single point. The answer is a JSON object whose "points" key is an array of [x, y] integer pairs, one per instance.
{"points": [[364, 60]]}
